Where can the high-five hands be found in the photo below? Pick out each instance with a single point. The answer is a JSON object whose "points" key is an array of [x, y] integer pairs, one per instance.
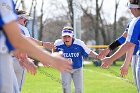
{"points": [[106, 62], [103, 53], [49, 45], [60, 63]]}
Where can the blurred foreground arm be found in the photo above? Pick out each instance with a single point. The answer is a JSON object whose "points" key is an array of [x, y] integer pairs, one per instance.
{"points": [[23, 44]]}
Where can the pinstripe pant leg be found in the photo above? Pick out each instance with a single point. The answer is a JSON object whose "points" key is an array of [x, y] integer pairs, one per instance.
{"points": [[20, 72], [133, 65], [138, 74]]}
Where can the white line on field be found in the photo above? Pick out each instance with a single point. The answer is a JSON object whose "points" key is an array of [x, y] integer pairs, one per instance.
{"points": [[104, 74]]}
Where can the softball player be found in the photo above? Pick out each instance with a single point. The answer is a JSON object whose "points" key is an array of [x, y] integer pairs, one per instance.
{"points": [[124, 67], [19, 70], [131, 41], [8, 82], [74, 50]]}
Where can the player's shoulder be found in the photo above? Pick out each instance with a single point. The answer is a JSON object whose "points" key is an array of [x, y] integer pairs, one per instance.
{"points": [[135, 20], [78, 42], [7, 13], [58, 42], [135, 23], [138, 20]]}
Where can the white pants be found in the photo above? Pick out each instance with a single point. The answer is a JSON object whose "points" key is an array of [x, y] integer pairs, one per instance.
{"points": [[8, 81], [19, 71], [134, 66], [138, 74], [77, 76]]}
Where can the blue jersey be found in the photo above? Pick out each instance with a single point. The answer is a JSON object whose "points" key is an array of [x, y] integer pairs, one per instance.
{"points": [[75, 52], [123, 39], [6, 16], [134, 31]]}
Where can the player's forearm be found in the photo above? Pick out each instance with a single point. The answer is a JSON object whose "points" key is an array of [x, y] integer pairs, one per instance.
{"points": [[93, 54], [34, 51], [129, 56], [124, 48], [118, 41], [40, 43]]}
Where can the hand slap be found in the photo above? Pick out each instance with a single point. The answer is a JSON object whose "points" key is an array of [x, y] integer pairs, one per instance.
{"points": [[106, 62]]}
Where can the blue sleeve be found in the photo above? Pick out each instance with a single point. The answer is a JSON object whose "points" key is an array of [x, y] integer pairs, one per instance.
{"points": [[134, 33], [121, 39], [9, 45], [84, 53]]}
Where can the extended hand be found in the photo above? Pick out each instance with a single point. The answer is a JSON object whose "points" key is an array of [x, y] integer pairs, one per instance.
{"points": [[124, 70], [49, 45], [61, 63], [29, 65], [106, 62], [19, 55], [103, 53]]}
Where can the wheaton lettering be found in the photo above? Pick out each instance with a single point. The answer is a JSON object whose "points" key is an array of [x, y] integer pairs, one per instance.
{"points": [[70, 55]]}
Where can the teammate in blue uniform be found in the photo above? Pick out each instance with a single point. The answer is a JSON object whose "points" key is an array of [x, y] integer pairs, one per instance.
{"points": [[124, 68], [8, 82], [74, 50], [9, 30], [22, 64], [133, 37], [25, 63]]}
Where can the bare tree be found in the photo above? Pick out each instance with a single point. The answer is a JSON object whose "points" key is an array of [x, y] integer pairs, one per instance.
{"points": [[23, 5], [41, 21], [71, 12], [31, 7], [34, 16], [96, 20], [19, 3], [115, 17]]}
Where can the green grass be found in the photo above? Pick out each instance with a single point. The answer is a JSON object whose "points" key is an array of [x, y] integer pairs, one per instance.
{"points": [[96, 80]]}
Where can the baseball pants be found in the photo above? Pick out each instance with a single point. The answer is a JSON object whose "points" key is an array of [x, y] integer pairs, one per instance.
{"points": [[77, 76], [134, 67], [138, 74], [19, 71], [8, 81]]}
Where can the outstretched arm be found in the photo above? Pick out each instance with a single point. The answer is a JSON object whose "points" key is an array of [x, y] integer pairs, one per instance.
{"points": [[22, 43], [124, 48], [113, 45], [93, 54], [48, 45]]}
